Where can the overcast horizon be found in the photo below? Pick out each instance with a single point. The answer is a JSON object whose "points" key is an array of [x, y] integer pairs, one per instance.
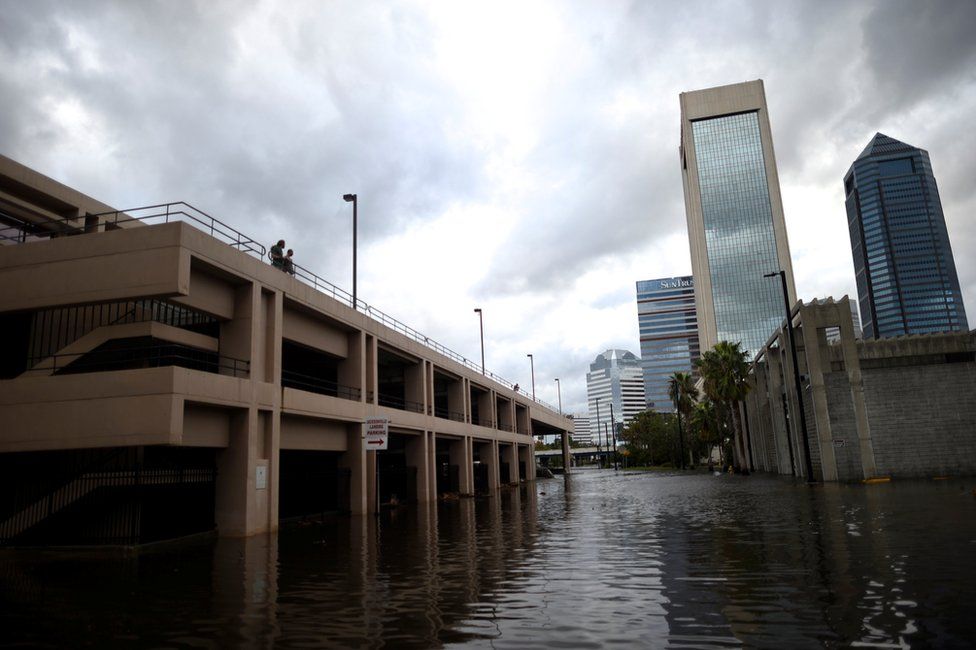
{"points": [[520, 157]]}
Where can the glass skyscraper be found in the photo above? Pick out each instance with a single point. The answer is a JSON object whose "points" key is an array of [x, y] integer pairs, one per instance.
{"points": [[735, 215], [906, 276], [668, 335]]}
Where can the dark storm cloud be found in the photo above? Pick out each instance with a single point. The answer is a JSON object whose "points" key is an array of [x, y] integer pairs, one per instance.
{"points": [[917, 50], [189, 120], [265, 115]]}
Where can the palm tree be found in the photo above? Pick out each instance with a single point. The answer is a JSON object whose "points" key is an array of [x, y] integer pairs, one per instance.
{"points": [[725, 371], [704, 422], [682, 391]]}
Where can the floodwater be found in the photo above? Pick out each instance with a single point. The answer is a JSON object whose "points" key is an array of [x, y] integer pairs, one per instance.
{"points": [[596, 559]]}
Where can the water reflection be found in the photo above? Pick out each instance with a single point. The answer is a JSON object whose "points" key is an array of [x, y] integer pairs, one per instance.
{"points": [[595, 559]]}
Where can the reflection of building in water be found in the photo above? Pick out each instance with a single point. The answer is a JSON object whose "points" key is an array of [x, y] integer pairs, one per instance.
{"points": [[900, 407], [160, 378], [736, 226]]}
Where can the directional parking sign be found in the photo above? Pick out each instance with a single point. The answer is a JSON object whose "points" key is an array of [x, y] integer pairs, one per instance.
{"points": [[376, 432]]}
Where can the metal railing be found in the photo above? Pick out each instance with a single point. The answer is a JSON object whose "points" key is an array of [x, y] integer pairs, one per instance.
{"points": [[394, 401], [446, 414], [150, 214], [85, 484], [182, 211], [326, 287], [153, 355], [291, 379]]}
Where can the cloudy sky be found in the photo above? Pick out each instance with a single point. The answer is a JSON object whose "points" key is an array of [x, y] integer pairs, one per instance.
{"points": [[519, 156]]}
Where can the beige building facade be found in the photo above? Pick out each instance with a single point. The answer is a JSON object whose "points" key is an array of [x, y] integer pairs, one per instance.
{"points": [[157, 363], [736, 227]]}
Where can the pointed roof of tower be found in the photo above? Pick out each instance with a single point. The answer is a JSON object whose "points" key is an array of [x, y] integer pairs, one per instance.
{"points": [[882, 145]]}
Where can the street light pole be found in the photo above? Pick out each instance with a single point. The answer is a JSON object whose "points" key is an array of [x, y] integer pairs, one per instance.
{"points": [[481, 327], [532, 364], [796, 374], [559, 394], [600, 460], [355, 219], [613, 430]]}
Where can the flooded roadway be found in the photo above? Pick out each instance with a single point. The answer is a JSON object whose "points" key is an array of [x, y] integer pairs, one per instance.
{"points": [[593, 560]]}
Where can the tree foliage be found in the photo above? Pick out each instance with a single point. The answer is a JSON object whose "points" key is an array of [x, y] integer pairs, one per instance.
{"points": [[651, 439], [725, 370], [682, 391]]}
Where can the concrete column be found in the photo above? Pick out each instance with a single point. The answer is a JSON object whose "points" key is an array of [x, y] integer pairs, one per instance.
{"points": [[372, 380], [463, 456], [432, 464], [274, 309], [352, 371], [852, 364], [511, 452], [414, 390], [418, 457], [781, 436], [567, 457], [354, 459], [429, 389], [488, 451], [247, 469], [527, 456], [456, 401], [757, 399], [244, 490], [814, 338], [493, 408], [372, 507]]}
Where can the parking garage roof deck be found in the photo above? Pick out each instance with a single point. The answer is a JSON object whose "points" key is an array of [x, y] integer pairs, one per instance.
{"points": [[27, 231]]}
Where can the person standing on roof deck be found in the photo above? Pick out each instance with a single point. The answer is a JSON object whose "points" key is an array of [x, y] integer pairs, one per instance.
{"points": [[289, 264], [278, 254]]}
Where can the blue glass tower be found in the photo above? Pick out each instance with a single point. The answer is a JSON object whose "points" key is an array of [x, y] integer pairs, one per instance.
{"points": [[668, 326], [906, 276]]}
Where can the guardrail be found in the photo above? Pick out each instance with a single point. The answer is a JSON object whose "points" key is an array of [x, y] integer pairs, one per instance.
{"points": [[326, 287], [151, 214]]}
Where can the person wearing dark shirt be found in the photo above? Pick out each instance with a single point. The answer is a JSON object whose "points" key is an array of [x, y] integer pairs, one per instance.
{"points": [[278, 255]]}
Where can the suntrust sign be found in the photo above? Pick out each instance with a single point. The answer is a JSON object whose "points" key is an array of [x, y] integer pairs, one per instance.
{"points": [[676, 283]]}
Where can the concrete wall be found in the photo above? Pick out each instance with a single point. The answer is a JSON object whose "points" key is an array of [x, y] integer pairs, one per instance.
{"points": [[923, 419], [901, 407]]}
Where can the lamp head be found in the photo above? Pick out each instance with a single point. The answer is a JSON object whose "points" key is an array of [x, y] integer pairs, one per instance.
{"points": [[348, 197], [771, 275], [478, 309]]}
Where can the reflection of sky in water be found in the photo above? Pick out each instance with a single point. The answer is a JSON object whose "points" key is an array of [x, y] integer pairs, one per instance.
{"points": [[590, 561], [738, 228]]}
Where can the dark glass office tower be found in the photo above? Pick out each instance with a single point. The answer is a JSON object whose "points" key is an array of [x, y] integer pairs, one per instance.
{"points": [[906, 277]]}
